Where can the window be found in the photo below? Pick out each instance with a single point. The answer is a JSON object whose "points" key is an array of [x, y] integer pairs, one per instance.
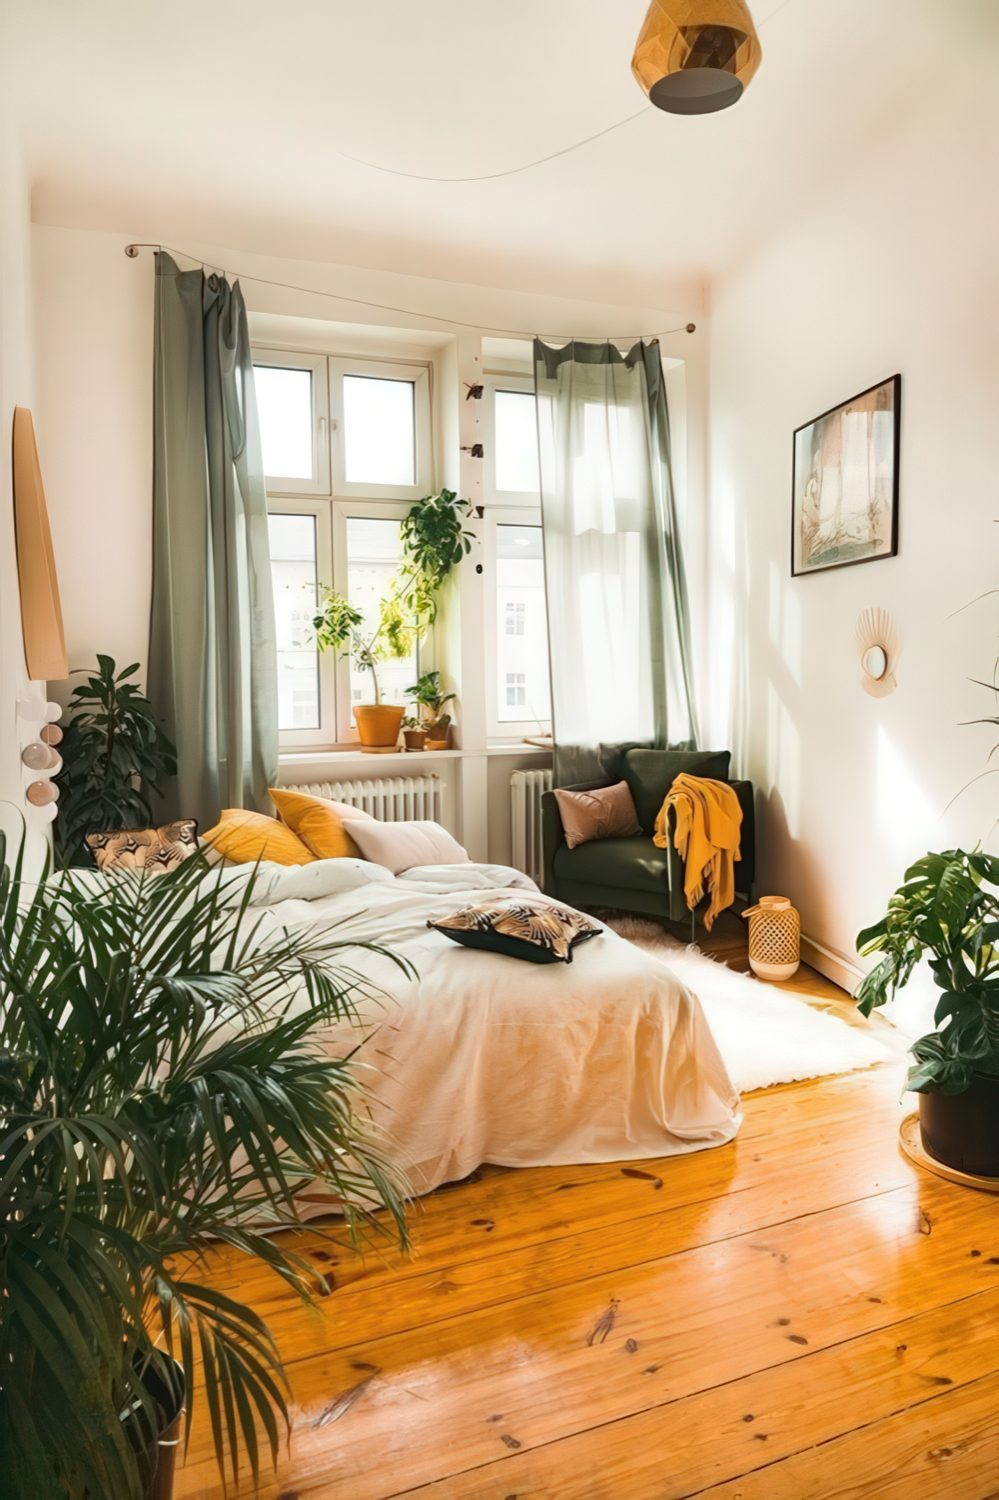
{"points": [[379, 440], [516, 617], [295, 571], [516, 442], [335, 508], [511, 440], [517, 637], [516, 689], [292, 408], [373, 552], [380, 419]]}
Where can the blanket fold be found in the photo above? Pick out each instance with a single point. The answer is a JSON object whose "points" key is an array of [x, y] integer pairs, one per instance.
{"points": [[708, 834]]}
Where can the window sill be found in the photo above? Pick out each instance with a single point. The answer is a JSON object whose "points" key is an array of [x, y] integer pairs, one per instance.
{"points": [[300, 760]]}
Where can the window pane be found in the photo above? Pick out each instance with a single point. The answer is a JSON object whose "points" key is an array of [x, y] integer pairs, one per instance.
{"points": [[379, 430], [521, 626], [293, 569], [516, 442], [284, 405], [373, 553]]}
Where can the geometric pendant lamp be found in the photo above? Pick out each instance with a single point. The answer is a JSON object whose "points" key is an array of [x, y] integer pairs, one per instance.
{"points": [[696, 56]]}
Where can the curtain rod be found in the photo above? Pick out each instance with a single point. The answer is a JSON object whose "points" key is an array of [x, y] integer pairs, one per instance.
{"points": [[132, 251]]}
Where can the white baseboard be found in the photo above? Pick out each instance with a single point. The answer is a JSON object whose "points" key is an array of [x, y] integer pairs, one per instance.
{"points": [[834, 965]]}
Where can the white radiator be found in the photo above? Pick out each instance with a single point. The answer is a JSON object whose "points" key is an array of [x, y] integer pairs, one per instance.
{"points": [[526, 788], [391, 799]]}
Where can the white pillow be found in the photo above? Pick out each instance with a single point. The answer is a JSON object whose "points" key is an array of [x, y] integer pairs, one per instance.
{"points": [[399, 846]]}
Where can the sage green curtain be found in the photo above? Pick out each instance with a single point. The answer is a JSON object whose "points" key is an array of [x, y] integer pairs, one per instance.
{"points": [[618, 621], [212, 656]]}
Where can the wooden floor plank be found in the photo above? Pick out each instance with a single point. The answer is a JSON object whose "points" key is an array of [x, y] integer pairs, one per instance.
{"points": [[466, 1388], [948, 1447], [502, 1211], [724, 1434]]}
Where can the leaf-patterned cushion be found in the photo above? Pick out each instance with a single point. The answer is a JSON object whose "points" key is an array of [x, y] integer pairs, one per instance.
{"points": [[154, 849], [542, 932]]}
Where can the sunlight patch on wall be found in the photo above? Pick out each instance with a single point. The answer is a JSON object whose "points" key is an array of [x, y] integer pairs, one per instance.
{"points": [[784, 622], [784, 759]]}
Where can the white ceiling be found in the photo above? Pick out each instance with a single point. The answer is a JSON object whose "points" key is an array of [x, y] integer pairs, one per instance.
{"points": [[222, 120]]}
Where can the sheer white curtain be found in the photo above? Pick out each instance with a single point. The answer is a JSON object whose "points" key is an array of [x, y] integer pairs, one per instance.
{"points": [[617, 601]]}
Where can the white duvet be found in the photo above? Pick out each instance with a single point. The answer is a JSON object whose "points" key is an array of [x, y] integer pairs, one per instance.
{"points": [[485, 1058]]}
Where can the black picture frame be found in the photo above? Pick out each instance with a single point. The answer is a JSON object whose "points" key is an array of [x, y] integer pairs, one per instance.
{"points": [[819, 431]]}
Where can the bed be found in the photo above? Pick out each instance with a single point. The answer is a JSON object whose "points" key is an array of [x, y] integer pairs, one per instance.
{"points": [[486, 1058]]}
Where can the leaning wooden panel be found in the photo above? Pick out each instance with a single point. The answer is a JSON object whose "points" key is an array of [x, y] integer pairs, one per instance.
{"points": [[41, 611]]}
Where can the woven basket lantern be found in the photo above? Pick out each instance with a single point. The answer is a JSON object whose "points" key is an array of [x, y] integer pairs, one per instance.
{"points": [[774, 938]]}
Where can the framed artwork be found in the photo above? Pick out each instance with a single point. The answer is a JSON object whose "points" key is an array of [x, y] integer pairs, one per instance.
{"points": [[844, 486]]}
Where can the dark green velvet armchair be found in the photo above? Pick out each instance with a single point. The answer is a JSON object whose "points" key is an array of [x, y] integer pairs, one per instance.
{"points": [[632, 874]]}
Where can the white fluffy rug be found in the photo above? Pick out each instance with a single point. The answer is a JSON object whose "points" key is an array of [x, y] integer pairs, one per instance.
{"points": [[766, 1034]]}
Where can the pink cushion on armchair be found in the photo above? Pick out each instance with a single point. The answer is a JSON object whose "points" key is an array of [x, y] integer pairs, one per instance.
{"points": [[606, 812]]}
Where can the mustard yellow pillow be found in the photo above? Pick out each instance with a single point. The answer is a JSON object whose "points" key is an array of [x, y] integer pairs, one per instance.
{"points": [[244, 837], [317, 823]]}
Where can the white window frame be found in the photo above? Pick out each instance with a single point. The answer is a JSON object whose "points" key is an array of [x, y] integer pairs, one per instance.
{"points": [[332, 502], [499, 730], [522, 385], [318, 367], [325, 735], [371, 369], [335, 732]]}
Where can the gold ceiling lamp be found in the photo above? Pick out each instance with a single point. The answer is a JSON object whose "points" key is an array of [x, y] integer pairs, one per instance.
{"points": [[696, 56]]}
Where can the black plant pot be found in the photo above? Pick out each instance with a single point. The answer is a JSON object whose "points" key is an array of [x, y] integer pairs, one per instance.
{"points": [[159, 1456], [962, 1130]]}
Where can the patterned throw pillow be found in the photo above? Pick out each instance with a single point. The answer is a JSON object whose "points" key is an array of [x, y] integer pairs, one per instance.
{"points": [[541, 933], [156, 849]]}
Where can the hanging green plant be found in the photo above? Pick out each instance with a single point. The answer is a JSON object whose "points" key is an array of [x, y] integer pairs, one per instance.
{"points": [[434, 540]]}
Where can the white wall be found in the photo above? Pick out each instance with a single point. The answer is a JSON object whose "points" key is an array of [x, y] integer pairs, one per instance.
{"points": [[898, 270], [16, 389]]}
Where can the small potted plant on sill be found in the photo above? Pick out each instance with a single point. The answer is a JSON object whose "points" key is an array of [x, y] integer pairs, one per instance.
{"points": [[428, 695], [413, 733], [947, 909], [338, 625]]}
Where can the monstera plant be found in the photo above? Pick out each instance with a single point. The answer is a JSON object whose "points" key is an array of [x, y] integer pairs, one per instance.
{"points": [[162, 1090], [947, 911]]}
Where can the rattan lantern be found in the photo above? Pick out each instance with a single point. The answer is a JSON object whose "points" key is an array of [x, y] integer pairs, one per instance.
{"points": [[774, 938]]}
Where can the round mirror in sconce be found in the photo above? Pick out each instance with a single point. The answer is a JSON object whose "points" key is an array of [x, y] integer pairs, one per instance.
{"points": [[878, 650], [875, 662]]}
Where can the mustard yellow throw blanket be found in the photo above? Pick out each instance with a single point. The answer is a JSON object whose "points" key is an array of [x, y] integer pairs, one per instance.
{"points": [[708, 830]]}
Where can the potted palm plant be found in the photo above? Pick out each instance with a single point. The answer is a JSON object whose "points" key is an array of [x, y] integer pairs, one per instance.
{"points": [[429, 696], [947, 910], [161, 1089]]}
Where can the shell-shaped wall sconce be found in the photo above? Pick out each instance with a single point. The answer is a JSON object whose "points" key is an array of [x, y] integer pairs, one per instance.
{"points": [[878, 651]]}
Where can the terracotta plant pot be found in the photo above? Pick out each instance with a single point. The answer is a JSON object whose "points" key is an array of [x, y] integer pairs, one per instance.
{"points": [[415, 739], [962, 1130], [439, 733], [378, 726]]}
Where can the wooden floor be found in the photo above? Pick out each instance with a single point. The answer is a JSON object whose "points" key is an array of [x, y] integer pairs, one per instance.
{"points": [[798, 1314]]}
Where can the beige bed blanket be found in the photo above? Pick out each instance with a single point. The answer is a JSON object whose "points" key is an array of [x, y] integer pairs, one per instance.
{"points": [[485, 1058]]}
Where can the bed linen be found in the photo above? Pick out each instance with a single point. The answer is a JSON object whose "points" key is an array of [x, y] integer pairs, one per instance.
{"points": [[484, 1058]]}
